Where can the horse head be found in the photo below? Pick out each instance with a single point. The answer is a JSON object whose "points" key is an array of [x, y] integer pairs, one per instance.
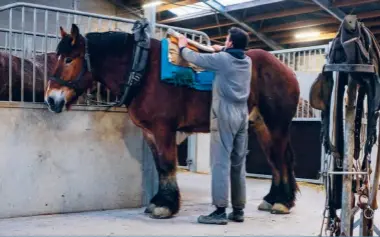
{"points": [[71, 75]]}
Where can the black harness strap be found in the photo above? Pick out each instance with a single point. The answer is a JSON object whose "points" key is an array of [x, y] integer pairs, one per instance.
{"points": [[140, 60]]}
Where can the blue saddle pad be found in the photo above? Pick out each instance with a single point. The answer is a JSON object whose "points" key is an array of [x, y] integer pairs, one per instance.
{"points": [[183, 76]]}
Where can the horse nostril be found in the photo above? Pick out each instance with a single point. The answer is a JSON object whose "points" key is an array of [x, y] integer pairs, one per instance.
{"points": [[61, 104], [50, 101]]}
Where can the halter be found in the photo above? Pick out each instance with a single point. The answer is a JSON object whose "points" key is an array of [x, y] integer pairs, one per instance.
{"points": [[73, 84]]}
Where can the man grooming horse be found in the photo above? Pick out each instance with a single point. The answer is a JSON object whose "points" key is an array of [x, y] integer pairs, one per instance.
{"points": [[229, 122]]}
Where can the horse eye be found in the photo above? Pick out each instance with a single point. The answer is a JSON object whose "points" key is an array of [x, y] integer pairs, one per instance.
{"points": [[68, 60]]}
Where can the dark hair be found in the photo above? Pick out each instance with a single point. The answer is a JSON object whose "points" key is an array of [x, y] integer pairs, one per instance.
{"points": [[238, 37]]}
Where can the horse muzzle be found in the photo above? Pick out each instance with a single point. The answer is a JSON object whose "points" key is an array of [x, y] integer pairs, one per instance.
{"points": [[55, 105]]}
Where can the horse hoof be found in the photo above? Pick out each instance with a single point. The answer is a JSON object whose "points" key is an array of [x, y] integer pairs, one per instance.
{"points": [[265, 206], [150, 208], [161, 213], [279, 208]]}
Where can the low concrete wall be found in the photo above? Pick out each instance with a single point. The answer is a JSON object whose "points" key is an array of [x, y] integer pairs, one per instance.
{"points": [[71, 162]]}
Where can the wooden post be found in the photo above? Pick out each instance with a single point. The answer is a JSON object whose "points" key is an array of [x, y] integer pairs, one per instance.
{"points": [[346, 214]]}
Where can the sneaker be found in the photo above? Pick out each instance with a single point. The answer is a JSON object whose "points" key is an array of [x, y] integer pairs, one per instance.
{"points": [[214, 218], [236, 215]]}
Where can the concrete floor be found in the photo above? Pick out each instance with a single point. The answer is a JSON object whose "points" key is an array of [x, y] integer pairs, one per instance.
{"points": [[304, 220]]}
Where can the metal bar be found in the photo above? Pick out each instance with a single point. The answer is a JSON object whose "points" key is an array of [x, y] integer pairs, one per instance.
{"points": [[5, 104], [298, 49], [46, 43], [23, 51], [313, 181], [333, 11], [346, 220], [57, 27], [271, 43], [10, 54], [17, 49], [29, 33], [88, 29], [68, 21], [108, 90], [346, 172], [34, 53], [98, 96]]}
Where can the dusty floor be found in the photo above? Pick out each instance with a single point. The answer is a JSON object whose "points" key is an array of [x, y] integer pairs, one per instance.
{"points": [[304, 220]]}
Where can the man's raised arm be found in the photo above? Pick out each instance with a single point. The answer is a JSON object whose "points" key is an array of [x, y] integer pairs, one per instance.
{"points": [[206, 61]]}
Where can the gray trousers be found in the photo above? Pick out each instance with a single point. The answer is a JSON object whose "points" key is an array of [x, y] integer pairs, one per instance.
{"points": [[229, 143]]}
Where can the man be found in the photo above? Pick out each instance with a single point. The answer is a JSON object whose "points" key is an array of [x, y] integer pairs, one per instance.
{"points": [[229, 122]]}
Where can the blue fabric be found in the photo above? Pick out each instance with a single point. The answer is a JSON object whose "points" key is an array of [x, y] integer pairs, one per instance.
{"points": [[183, 76]]}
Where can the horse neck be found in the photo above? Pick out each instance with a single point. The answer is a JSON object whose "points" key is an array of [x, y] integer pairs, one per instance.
{"points": [[110, 57], [112, 69]]}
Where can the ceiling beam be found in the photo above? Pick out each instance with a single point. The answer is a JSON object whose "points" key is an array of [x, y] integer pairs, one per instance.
{"points": [[234, 7], [311, 23], [265, 16], [334, 11], [299, 25], [347, 3], [220, 8], [170, 5]]}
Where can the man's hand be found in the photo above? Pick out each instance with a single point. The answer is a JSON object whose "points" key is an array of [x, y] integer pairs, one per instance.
{"points": [[182, 41], [217, 48]]}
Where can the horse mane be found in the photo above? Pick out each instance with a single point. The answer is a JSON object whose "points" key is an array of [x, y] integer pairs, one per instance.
{"points": [[100, 43], [110, 42]]}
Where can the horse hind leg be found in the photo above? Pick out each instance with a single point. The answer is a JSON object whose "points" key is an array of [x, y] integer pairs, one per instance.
{"points": [[280, 156], [265, 141], [166, 202], [288, 186]]}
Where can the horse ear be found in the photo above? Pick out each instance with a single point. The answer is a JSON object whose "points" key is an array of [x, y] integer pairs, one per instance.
{"points": [[74, 33], [63, 32]]}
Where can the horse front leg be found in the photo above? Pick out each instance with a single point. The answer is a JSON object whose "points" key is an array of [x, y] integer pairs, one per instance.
{"points": [[166, 202]]}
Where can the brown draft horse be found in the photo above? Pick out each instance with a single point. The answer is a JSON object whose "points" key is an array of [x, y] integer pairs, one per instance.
{"points": [[161, 109]]}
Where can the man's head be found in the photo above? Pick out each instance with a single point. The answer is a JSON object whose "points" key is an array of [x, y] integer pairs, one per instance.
{"points": [[237, 39]]}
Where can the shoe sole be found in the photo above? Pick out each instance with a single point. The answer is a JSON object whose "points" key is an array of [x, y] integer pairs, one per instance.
{"points": [[237, 220], [214, 223]]}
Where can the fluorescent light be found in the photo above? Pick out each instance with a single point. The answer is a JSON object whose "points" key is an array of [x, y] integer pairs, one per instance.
{"points": [[232, 2], [152, 4], [190, 9], [308, 35]]}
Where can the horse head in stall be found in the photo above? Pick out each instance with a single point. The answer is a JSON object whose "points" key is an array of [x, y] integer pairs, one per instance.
{"points": [[162, 109], [354, 52]]}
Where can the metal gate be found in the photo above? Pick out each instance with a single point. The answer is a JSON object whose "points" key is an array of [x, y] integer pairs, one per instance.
{"points": [[31, 31]]}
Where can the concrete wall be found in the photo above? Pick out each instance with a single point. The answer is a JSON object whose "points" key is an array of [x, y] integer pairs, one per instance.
{"points": [[75, 161]]}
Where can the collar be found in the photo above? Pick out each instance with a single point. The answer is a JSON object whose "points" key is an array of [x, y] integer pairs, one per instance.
{"points": [[237, 53]]}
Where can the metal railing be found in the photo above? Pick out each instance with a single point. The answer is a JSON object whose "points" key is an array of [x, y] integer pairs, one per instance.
{"points": [[31, 31], [306, 59]]}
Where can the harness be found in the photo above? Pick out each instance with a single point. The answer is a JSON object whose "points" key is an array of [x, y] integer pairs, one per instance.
{"points": [[357, 53], [134, 73], [141, 48]]}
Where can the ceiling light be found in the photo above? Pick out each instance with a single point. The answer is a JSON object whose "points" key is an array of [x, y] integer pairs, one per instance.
{"points": [[308, 35], [190, 9], [152, 4]]}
